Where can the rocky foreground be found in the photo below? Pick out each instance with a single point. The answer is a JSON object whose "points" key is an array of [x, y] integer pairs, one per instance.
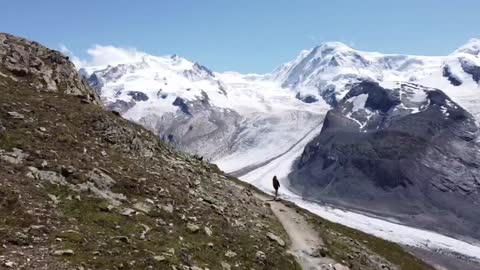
{"points": [[82, 188]]}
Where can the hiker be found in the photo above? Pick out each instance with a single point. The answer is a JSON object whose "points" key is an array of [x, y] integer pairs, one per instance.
{"points": [[276, 186]]}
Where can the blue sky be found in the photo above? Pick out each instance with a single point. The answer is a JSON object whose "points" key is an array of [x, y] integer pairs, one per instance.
{"points": [[246, 36]]}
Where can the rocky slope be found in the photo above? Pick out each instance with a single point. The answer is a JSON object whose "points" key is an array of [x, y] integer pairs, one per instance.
{"points": [[82, 188], [398, 150], [42, 68]]}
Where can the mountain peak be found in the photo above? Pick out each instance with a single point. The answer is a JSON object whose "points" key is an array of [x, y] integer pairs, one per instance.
{"points": [[471, 47], [333, 45]]}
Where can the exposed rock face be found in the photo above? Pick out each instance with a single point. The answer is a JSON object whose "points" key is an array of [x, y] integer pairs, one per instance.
{"points": [[409, 152], [138, 96], [454, 80], [198, 127], [471, 68], [48, 70], [120, 106], [306, 98]]}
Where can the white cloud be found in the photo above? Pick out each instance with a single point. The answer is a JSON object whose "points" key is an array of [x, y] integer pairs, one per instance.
{"points": [[99, 55], [79, 63], [110, 55]]}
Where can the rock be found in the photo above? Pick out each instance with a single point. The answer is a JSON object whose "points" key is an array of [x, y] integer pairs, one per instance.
{"points": [[66, 171], [42, 129], [137, 95], [48, 70], [159, 258], [171, 251], [208, 231], [276, 238], [140, 206], [225, 266], [101, 179], [47, 176], [209, 200], [54, 199], [15, 157], [114, 198], [168, 208], [338, 266], [230, 254], [105, 207], [44, 164], [120, 106], [193, 228], [9, 264], [260, 256], [146, 229], [127, 212], [320, 252], [63, 252], [195, 268], [123, 239], [16, 115], [161, 222]]}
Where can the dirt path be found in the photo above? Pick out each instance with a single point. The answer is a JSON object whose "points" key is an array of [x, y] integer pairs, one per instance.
{"points": [[305, 241]]}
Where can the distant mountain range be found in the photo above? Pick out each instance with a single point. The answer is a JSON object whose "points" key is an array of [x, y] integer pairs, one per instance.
{"points": [[400, 138]]}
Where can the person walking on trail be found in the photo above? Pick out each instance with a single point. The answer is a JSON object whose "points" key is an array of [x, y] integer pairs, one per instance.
{"points": [[276, 186]]}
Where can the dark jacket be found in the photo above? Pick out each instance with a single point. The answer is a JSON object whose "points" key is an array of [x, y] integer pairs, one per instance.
{"points": [[276, 183]]}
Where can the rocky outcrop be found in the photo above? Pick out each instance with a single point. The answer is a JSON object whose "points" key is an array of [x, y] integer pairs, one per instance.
{"points": [[45, 69], [471, 68], [120, 106], [409, 152], [452, 78], [138, 96], [197, 127]]}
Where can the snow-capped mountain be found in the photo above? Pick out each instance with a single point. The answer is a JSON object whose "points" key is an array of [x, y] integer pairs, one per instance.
{"points": [[239, 121], [459, 77], [329, 70], [400, 150], [326, 70]]}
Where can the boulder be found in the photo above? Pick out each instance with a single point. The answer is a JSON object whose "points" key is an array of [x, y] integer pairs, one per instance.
{"points": [[193, 228], [48, 70], [15, 157], [276, 238]]}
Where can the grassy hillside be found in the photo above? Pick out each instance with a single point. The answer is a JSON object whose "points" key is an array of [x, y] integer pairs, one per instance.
{"points": [[81, 187]]}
